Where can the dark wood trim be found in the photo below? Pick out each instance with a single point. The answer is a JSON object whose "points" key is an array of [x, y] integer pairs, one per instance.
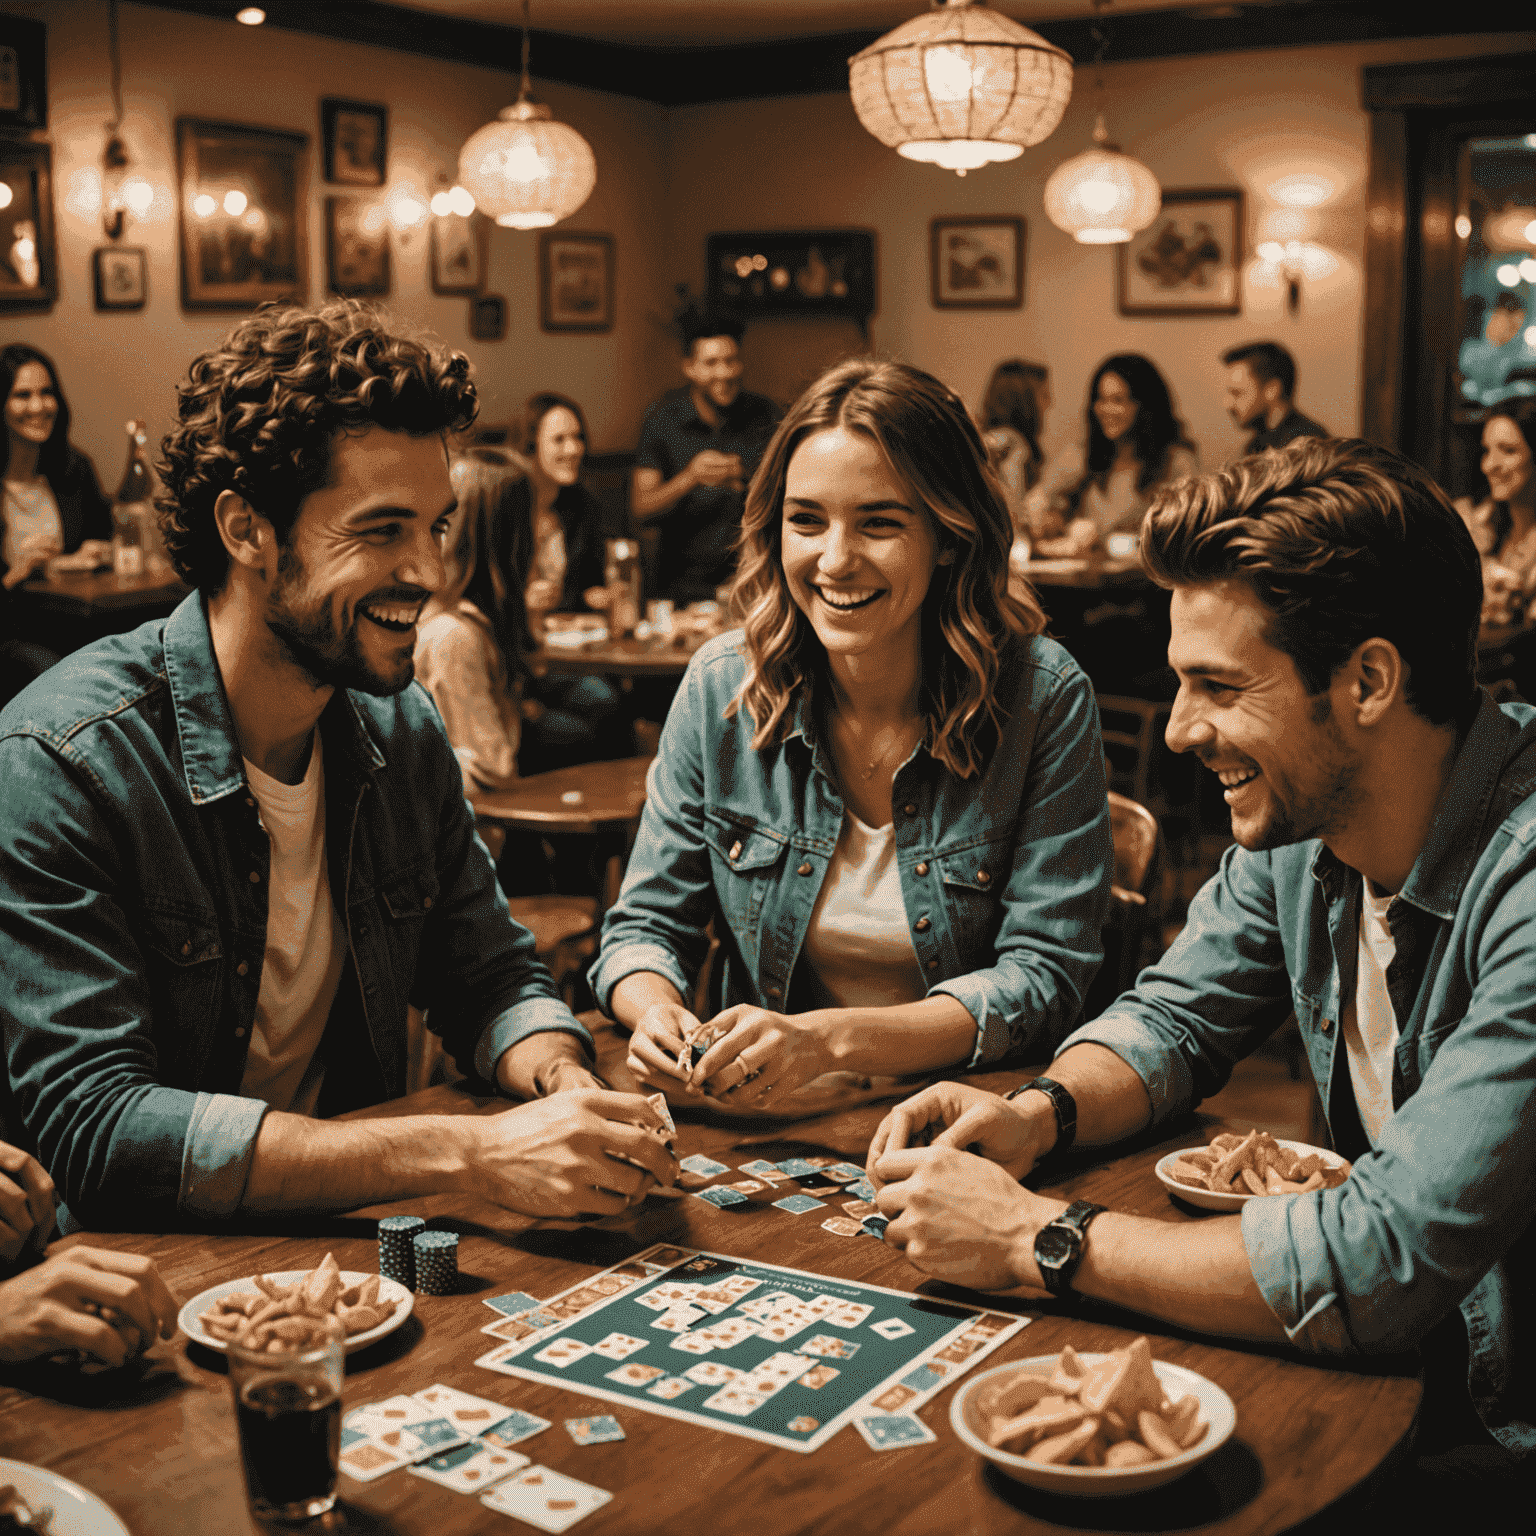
{"points": [[802, 66], [1481, 82], [1385, 256]]}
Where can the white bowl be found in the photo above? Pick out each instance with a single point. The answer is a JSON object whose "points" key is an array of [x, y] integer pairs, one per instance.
{"points": [[1215, 1200], [390, 1291], [76, 1511], [1094, 1482]]}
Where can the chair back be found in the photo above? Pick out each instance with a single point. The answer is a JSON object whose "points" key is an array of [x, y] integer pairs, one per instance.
{"points": [[1134, 831]]}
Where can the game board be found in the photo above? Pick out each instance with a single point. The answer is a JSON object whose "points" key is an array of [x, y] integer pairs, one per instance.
{"points": [[778, 1355]]}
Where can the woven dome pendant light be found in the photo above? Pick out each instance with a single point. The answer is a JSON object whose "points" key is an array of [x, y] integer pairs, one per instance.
{"points": [[960, 87], [1102, 197], [525, 170]]}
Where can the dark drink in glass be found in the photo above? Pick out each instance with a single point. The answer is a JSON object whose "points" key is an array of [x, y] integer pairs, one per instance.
{"points": [[288, 1410]]}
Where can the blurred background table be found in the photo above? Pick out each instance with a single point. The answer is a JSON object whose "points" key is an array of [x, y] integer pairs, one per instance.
{"points": [[162, 1450], [613, 658], [71, 609]]}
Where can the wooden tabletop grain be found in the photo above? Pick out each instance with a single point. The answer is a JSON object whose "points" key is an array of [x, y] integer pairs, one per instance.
{"points": [[161, 1449], [81, 594], [613, 658]]}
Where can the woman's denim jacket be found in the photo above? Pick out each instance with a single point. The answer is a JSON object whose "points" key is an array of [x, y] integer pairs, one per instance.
{"points": [[1004, 875]]}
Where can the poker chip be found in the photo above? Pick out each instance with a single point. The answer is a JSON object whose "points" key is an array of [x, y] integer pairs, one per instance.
{"points": [[437, 1263], [397, 1258]]}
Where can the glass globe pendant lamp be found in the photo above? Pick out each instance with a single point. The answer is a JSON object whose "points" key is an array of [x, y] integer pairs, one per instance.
{"points": [[1102, 197], [960, 87], [525, 170]]}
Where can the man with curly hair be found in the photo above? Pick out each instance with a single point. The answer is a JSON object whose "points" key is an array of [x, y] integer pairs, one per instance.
{"points": [[234, 846]]}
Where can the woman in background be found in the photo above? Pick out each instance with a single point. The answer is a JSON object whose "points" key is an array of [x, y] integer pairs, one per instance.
{"points": [[1503, 525], [1136, 445], [1018, 396]]}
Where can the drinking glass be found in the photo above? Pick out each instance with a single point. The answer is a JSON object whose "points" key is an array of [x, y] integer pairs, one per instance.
{"points": [[288, 1408]]}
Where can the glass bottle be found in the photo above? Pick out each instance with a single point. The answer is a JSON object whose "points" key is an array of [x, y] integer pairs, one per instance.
{"points": [[133, 516], [621, 575]]}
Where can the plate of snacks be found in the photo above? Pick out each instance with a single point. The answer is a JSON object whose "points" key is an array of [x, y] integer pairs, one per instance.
{"points": [[281, 1310], [1094, 1425], [37, 1500], [1233, 1169]]}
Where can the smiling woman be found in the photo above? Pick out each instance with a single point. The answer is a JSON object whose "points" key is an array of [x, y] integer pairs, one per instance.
{"points": [[886, 792]]}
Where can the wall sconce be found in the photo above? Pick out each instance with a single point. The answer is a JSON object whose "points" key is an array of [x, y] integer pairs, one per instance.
{"points": [[407, 210], [121, 194], [1287, 235]]}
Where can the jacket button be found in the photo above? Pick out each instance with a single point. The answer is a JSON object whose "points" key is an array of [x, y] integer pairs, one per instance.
{"points": [[983, 878], [804, 869], [249, 801], [909, 810], [933, 965], [1326, 1025], [254, 877], [426, 903], [920, 869], [921, 925], [240, 1033], [186, 948], [242, 969], [735, 852], [774, 991]]}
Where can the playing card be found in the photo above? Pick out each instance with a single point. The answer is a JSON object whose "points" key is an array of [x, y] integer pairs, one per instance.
{"points": [[842, 1226], [711, 1373], [746, 1186], [768, 1302], [722, 1195], [692, 1344], [365, 1461], [921, 1378], [705, 1167], [798, 1204], [844, 1172], [679, 1319], [874, 1226], [658, 1102], [671, 1294], [594, 1431], [463, 1410], [509, 1328], [516, 1426], [796, 1167], [546, 1499], [543, 1318], [776, 1177], [818, 1376], [892, 1328], [470, 1468], [670, 1387], [830, 1346], [817, 1180], [760, 1167], [774, 1373], [847, 1314], [821, 1164], [618, 1346], [563, 1352], [785, 1325], [736, 1402], [889, 1431], [732, 1331], [512, 1304], [398, 1412], [634, 1374], [860, 1187], [893, 1399], [859, 1208], [662, 1256]]}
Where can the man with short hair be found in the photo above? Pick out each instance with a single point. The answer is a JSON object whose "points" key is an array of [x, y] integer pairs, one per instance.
{"points": [[1261, 379], [699, 446], [234, 846], [1324, 621]]}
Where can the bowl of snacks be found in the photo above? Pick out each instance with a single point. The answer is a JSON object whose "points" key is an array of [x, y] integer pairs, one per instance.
{"points": [[1093, 1425], [281, 1310], [1234, 1169]]}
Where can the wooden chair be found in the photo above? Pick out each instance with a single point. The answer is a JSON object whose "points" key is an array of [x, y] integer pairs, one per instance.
{"points": [[1132, 915], [1135, 752]]}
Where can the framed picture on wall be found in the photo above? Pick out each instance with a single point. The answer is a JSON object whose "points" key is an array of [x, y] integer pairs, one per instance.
{"points": [[976, 263], [121, 274], [23, 74], [356, 247], [488, 317], [244, 239], [1189, 260], [575, 282], [28, 256], [458, 254], [356, 139], [827, 272]]}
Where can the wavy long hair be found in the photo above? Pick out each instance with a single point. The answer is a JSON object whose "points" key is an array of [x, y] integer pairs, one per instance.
{"points": [[495, 542], [1013, 400], [968, 615], [51, 456], [1155, 430], [1522, 413]]}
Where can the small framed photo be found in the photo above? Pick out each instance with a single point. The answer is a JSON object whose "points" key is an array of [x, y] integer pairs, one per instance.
{"points": [[458, 254], [121, 273], [356, 139], [488, 317], [575, 283], [1189, 259], [977, 263], [28, 256], [23, 74], [357, 247]]}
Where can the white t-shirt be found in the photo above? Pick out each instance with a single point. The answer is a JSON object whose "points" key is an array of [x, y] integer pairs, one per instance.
{"points": [[306, 943], [29, 509], [858, 943], [1370, 1024]]}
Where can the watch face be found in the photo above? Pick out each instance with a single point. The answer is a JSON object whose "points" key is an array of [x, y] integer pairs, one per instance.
{"points": [[1053, 1247]]}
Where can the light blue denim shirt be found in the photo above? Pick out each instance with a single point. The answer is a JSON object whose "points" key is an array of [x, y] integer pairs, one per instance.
{"points": [[133, 916], [1004, 875], [1438, 1214]]}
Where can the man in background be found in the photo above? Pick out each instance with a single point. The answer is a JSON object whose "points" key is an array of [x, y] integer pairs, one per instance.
{"points": [[1261, 380], [699, 446]]}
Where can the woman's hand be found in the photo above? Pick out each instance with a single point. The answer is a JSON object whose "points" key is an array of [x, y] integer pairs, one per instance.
{"points": [[656, 1046], [34, 552], [109, 1305], [761, 1055], [1012, 1134], [542, 593], [26, 1204]]}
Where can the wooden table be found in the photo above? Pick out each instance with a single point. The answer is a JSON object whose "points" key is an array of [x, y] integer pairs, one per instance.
{"points": [[1092, 573], [74, 608], [613, 658], [162, 1452], [585, 798]]}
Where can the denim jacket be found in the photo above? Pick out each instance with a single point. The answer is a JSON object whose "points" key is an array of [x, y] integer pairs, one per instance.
{"points": [[1438, 1214], [1004, 875], [133, 914]]}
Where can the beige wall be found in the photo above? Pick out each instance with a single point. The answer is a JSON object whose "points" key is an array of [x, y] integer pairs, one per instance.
{"points": [[120, 364], [1240, 119]]}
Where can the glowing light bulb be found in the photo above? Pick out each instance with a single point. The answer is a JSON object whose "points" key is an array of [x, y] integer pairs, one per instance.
{"points": [[204, 206], [461, 201], [1098, 196], [442, 204], [1530, 335], [523, 161], [139, 196], [1527, 270], [7, 197], [250, 16], [1530, 229], [949, 73], [1463, 226], [1508, 274], [235, 202]]}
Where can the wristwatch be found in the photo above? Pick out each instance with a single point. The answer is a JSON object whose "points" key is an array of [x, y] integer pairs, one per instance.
{"points": [[1059, 1246], [1062, 1102]]}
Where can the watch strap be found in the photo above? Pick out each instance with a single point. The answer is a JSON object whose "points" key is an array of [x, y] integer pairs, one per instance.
{"points": [[1064, 1105], [1073, 1221]]}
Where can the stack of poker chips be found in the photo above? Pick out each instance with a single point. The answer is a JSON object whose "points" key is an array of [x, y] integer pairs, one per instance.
{"points": [[437, 1263], [397, 1259]]}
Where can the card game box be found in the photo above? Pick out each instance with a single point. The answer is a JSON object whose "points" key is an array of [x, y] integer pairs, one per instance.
{"points": [[774, 1354]]}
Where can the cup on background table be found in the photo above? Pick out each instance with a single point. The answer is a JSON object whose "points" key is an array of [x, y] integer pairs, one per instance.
{"points": [[288, 1409]]}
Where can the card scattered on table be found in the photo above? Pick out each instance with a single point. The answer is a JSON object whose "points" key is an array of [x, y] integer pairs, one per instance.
{"points": [[514, 1304], [549, 1500], [705, 1167], [844, 1172], [516, 1426], [796, 1167], [842, 1226], [470, 1468], [594, 1431], [722, 1195], [798, 1204], [760, 1167], [861, 1188], [891, 1328], [890, 1431]]}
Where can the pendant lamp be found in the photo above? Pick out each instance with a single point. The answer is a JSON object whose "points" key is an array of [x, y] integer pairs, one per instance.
{"points": [[960, 87], [525, 170], [1102, 197]]}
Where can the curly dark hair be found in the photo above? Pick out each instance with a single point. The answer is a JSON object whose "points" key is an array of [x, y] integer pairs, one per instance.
{"points": [[259, 413]]}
